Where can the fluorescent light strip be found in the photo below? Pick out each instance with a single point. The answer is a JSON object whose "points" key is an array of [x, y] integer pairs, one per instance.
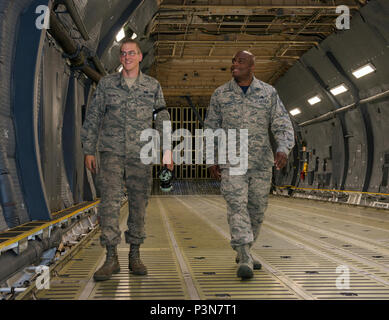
{"points": [[295, 111], [134, 35], [362, 71], [338, 89], [314, 100], [120, 35]]}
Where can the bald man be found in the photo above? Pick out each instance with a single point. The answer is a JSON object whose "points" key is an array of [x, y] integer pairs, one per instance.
{"points": [[248, 103]]}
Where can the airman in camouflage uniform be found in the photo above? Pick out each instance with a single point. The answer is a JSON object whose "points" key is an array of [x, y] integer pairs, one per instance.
{"points": [[248, 103], [122, 106]]}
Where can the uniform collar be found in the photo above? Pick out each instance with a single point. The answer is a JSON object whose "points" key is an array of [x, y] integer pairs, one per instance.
{"points": [[254, 85], [139, 80]]}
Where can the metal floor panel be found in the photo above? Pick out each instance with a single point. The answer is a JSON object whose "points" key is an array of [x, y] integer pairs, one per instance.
{"points": [[357, 230], [212, 260], [164, 279], [188, 255], [316, 251], [70, 281]]}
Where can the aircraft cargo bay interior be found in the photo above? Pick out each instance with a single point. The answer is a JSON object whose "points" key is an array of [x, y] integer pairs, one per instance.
{"points": [[194, 150]]}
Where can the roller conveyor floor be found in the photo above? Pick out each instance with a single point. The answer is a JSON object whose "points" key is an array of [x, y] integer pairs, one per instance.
{"points": [[306, 248]]}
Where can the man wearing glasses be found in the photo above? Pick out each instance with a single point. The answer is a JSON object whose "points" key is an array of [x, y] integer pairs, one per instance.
{"points": [[123, 105]]}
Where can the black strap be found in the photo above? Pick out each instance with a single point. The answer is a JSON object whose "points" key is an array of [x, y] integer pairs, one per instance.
{"points": [[155, 111], [194, 110]]}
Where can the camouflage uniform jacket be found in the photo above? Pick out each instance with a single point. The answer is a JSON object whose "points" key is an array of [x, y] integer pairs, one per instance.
{"points": [[257, 110], [118, 114]]}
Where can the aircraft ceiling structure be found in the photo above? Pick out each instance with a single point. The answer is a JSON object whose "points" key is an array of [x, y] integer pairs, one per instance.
{"points": [[188, 45], [195, 40]]}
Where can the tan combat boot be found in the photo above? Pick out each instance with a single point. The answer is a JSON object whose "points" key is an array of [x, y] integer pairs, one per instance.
{"points": [[135, 263], [245, 268], [110, 266], [257, 265]]}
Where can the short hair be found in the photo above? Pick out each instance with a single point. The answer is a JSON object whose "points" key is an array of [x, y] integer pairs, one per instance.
{"points": [[129, 40]]}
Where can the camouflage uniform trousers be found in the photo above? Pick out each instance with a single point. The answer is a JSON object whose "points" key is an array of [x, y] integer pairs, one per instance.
{"points": [[247, 197], [115, 172]]}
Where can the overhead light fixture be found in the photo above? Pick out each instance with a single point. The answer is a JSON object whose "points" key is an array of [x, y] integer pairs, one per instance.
{"points": [[120, 35], [314, 100], [338, 89], [362, 71], [295, 111], [134, 35]]}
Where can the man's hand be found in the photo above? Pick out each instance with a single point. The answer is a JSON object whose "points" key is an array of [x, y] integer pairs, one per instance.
{"points": [[168, 160], [215, 172], [280, 160], [90, 163]]}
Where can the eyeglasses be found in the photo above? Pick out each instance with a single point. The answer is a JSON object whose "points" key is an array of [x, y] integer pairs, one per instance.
{"points": [[130, 53]]}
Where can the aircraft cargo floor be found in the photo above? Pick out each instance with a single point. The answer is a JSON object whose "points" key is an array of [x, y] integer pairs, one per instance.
{"points": [[187, 252]]}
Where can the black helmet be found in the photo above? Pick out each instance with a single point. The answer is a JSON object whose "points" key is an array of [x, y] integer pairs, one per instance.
{"points": [[165, 177]]}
